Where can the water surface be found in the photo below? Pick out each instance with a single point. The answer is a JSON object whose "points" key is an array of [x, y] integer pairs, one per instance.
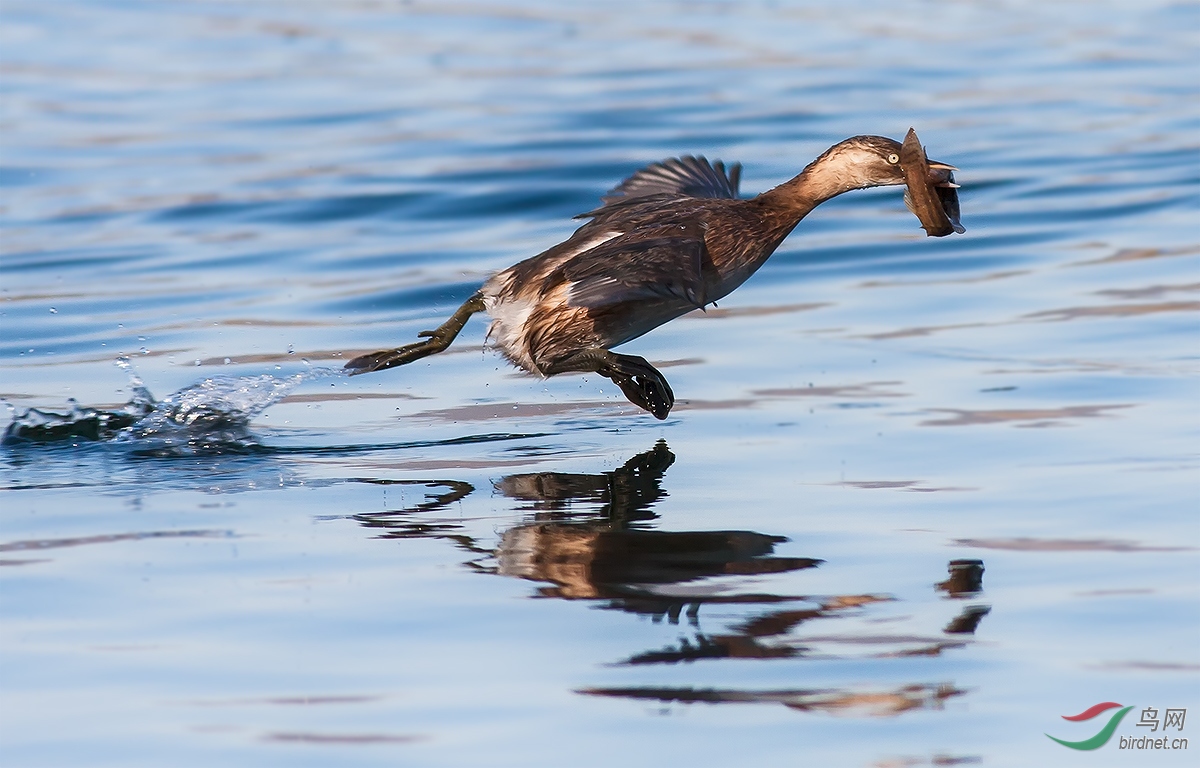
{"points": [[919, 498]]}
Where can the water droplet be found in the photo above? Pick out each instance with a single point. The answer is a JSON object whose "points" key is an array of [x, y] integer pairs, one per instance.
{"points": [[144, 351], [197, 362], [227, 361], [141, 338], [291, 349], [53, 311]]}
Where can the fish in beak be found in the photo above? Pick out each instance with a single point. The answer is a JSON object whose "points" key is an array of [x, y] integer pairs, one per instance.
{"points": [[931, 193]]}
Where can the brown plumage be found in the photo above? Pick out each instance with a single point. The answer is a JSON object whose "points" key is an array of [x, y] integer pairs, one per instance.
{"points": [[671, 238]]}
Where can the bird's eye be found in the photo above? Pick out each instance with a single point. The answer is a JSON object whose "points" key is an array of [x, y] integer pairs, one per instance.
{"points": [[893, 158]]}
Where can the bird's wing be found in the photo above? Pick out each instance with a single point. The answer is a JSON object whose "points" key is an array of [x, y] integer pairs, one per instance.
{"points": [[667, 181], [653, 262], [680, 177]]}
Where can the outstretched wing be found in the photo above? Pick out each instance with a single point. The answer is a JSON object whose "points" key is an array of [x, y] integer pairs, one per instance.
{"points": [[680, 177], [653, 262], [669, 180]]}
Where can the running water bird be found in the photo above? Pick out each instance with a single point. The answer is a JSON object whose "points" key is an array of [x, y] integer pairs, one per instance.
{"points": [[671, 238]]}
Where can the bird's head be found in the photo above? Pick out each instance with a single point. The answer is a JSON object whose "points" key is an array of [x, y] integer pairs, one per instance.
{"points": [[877, 161]]}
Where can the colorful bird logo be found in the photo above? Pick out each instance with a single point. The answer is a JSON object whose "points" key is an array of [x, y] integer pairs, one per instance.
{"points": [[1101, 738]]}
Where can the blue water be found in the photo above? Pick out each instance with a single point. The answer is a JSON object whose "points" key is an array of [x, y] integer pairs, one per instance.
{"points": [[456, 564]]}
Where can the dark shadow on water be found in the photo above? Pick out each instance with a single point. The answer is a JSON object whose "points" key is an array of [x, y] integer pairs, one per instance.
{"points": [[846, 702], [611, 553], [405, 523], [592, 538], [966, 579]]}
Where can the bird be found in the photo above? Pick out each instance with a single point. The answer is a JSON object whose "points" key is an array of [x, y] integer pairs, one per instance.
{"points": [[673, 237]]}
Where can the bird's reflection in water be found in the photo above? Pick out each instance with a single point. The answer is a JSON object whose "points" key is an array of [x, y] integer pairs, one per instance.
{"points": [[592, 537], [965, 582], [832, 701], [410, 523], [612, 554]]}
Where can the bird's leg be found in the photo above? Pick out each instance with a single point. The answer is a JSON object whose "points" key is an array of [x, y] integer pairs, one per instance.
{"points": [[438, 340], [641, 382]]}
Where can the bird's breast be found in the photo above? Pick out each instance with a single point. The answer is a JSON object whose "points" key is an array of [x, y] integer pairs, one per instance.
{"points": [[510, 317]]}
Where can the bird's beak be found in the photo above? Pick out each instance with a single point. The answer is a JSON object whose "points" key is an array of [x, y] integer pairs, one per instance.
{"points": [[931, 194]]}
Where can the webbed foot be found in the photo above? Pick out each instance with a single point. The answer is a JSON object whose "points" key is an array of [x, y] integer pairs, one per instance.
{"points": [[647, 389], [641, 382]]}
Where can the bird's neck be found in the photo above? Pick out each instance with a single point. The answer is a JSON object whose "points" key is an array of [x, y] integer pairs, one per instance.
{"points": [[779, 210], [824, 178]]}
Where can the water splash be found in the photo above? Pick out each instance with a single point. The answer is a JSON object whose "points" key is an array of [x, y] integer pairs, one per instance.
{"points": [[79, 423], [141, 396], [210, 416]]}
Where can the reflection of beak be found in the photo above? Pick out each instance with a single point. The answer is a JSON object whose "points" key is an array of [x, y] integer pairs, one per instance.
{"points": [[930, 192]]}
